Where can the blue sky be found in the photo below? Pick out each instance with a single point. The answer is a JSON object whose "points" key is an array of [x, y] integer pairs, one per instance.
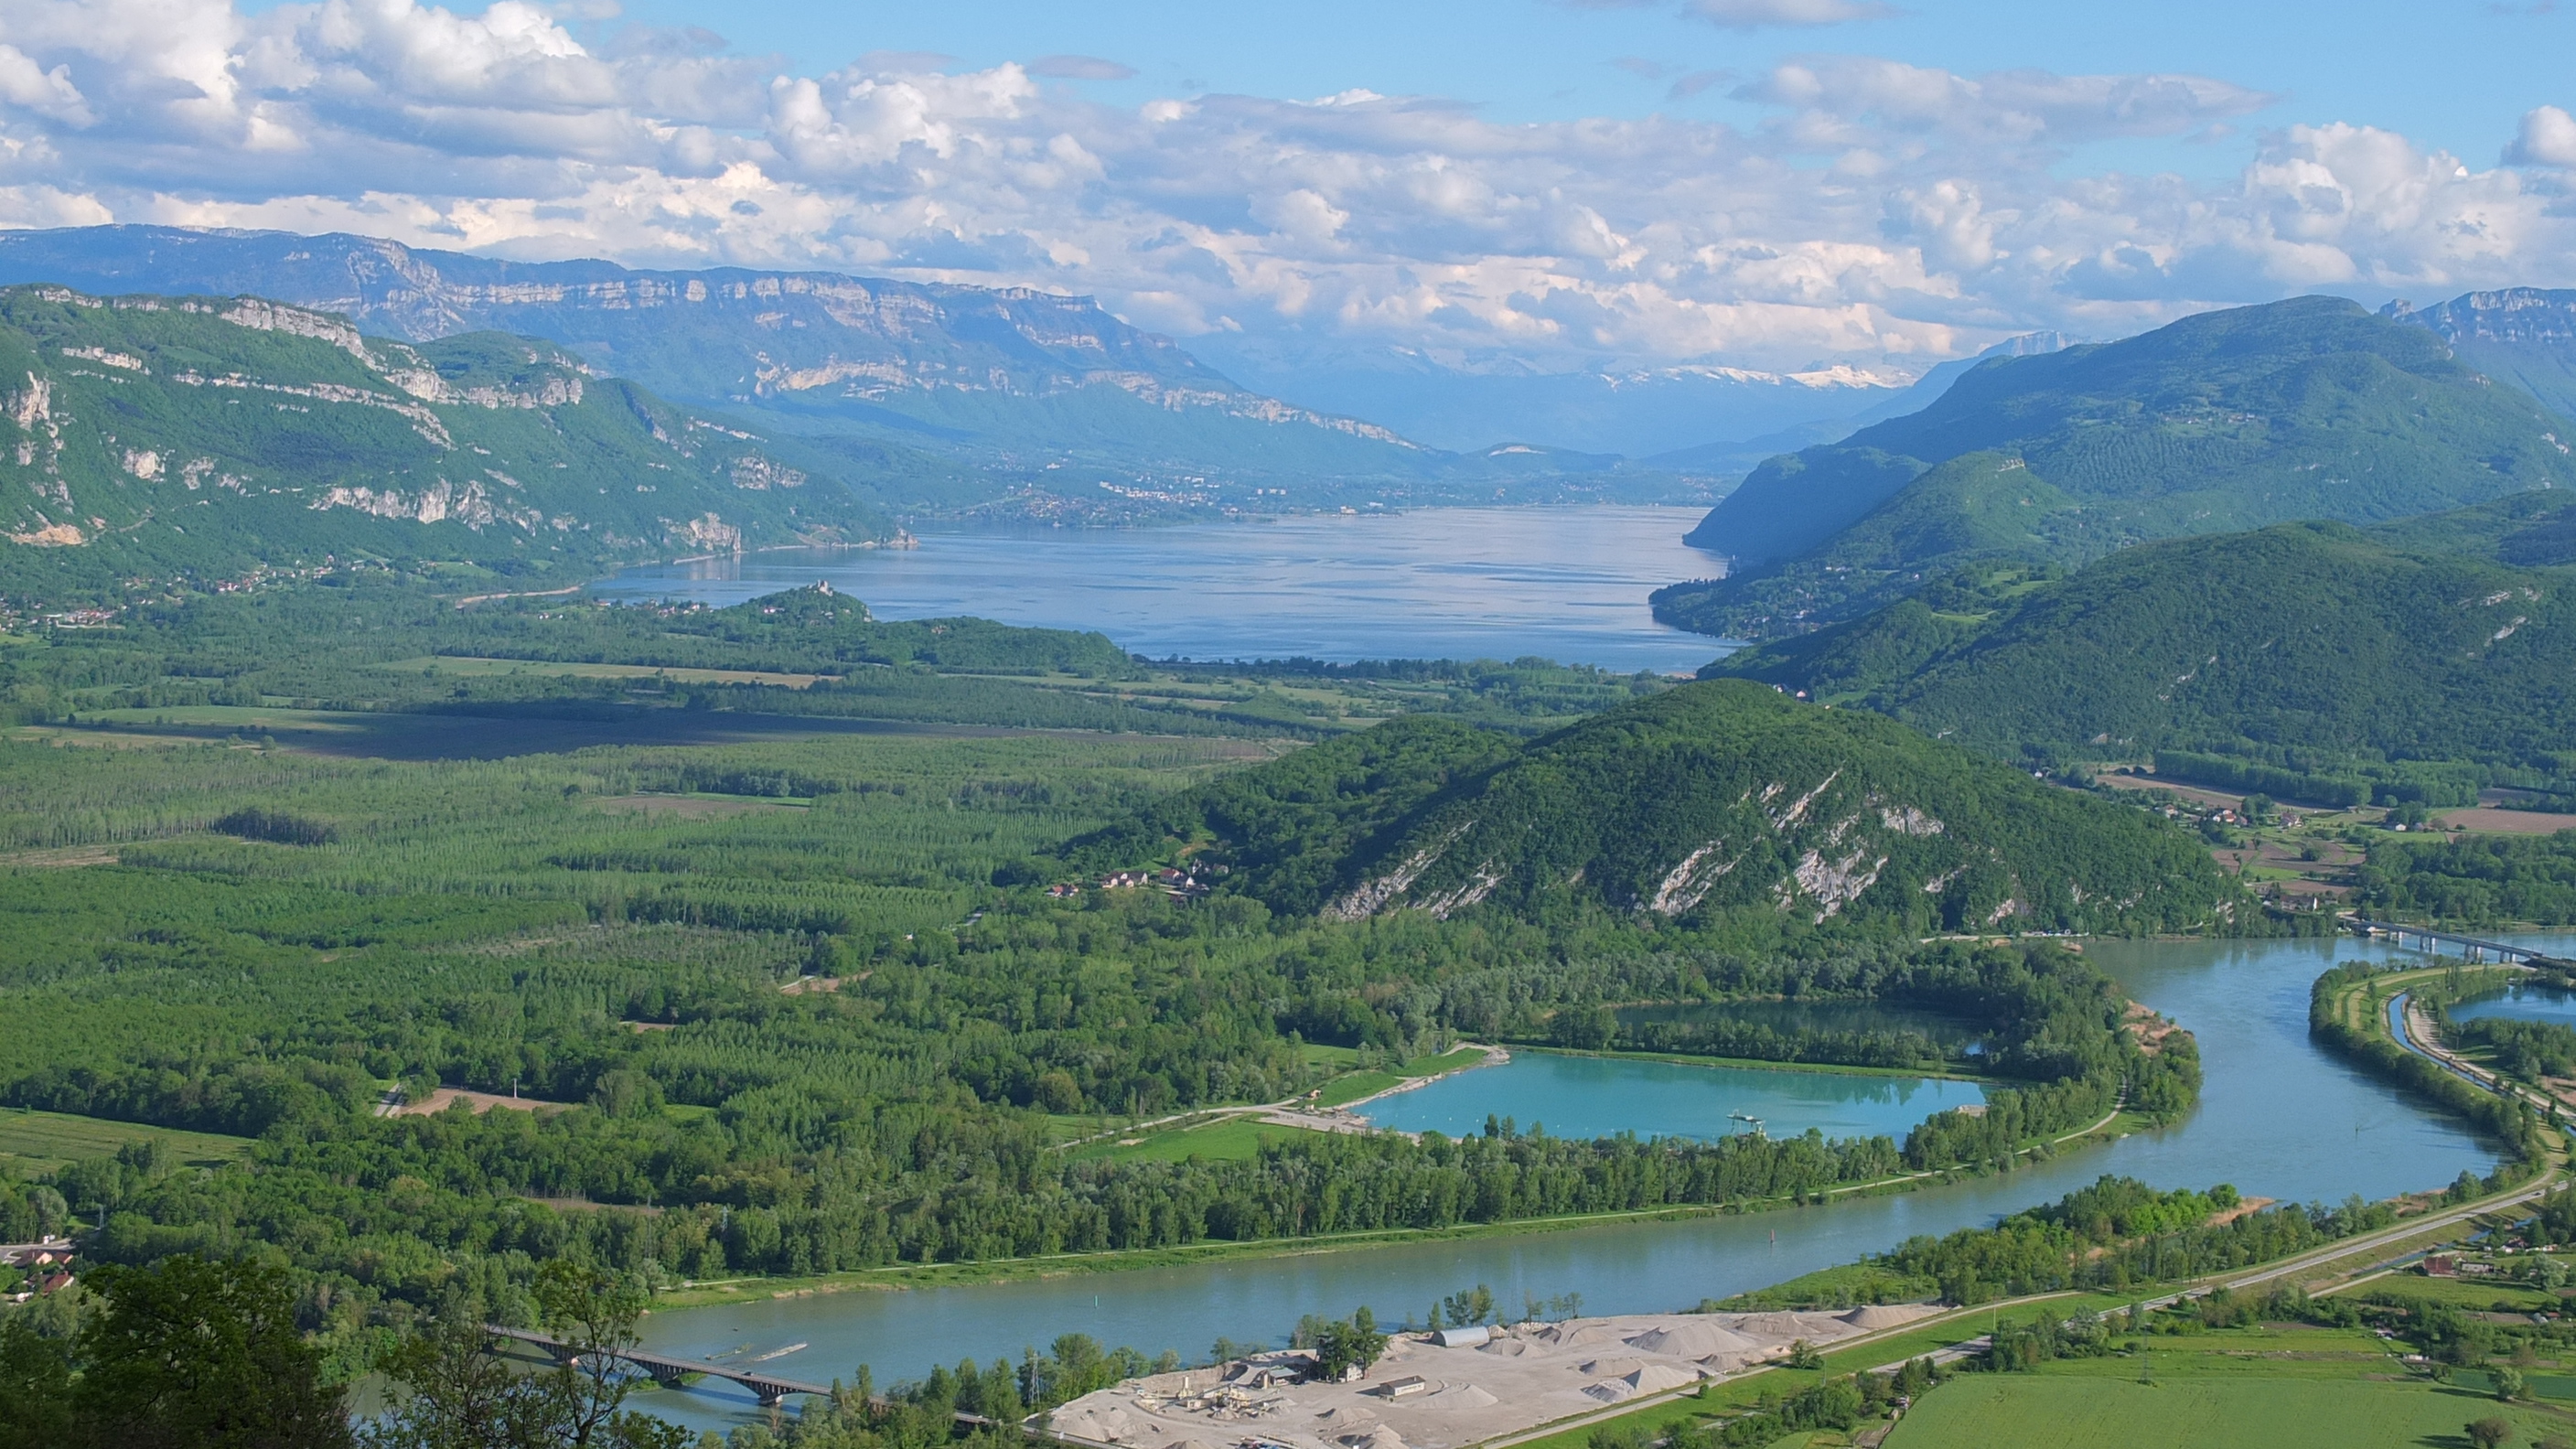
{"points": [[1515, 185], [2455, 73]]}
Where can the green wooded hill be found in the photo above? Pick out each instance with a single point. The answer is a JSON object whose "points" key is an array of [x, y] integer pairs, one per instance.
{"points": [[203, 438], [2316, 648], [2309, 408], [1726, 807]]}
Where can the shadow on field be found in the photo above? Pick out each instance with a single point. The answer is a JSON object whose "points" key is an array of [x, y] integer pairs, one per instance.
{"points": [[499, 736]]}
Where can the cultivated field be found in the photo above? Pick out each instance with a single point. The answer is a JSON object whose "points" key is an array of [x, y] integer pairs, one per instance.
{"points": [[44, 1140], [2259, 1388]]}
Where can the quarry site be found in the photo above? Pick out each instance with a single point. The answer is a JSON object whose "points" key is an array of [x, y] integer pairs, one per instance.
{"points": [[1454, 1387]]}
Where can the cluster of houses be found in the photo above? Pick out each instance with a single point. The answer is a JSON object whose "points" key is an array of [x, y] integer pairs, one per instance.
{"points": [[47, 1264], [1180, 885]]}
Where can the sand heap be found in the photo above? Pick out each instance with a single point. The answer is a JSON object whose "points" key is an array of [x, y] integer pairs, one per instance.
{"points": [[1694, 1338], [1651, 1378], [1873, 1317]]}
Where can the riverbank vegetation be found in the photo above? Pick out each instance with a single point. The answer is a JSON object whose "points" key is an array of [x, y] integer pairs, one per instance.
{"points": [[2113, 1236], [2348, 1011]]}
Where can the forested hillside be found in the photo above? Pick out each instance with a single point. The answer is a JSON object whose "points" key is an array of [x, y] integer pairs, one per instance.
{"points": [[2310, 408], [200, 440], [2313, 649], [1727, 808]]}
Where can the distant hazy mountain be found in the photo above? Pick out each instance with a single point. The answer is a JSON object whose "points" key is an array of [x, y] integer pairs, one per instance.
{"points": [[207, 438], [2521, 335], [1013, 378], [2309, 408], [1631, 412], [1741, 458]]}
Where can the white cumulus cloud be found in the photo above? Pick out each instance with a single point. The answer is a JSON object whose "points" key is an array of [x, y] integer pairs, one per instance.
{"points": [[1875, 209], [2547, 138]]}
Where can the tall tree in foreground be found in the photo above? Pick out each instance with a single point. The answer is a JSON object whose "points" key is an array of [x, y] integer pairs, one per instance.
{"points": [[197, 1355], [456, 1395]]}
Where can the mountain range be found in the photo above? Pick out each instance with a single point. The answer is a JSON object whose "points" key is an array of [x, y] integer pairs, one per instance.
{"points": [[1468, 403], [2521, 335], [935, 396], [208, 438], [2311, 408]]}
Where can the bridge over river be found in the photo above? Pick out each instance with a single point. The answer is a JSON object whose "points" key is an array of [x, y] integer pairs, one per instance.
{"points": [[2472, 948], [668, 1371]]}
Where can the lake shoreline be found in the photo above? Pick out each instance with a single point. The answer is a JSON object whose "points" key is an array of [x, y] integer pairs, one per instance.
{"points": [[1755, 1064]]}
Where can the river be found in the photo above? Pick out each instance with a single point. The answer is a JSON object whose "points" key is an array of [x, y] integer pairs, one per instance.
{"points": [[1568, 584], [2278, 1118]]}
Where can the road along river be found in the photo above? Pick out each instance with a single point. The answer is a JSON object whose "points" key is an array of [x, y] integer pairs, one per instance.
{"points": [[2278, 1118]]}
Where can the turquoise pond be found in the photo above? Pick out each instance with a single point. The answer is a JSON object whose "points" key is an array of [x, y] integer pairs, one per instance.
{"points": [[2522, 1003], [1575, 1096]]}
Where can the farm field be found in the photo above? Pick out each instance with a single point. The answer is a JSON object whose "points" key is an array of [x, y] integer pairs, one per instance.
{"points": [[2081, 1412], [41, 1141], [499, 734], [468, 667], [2255, 1387]]}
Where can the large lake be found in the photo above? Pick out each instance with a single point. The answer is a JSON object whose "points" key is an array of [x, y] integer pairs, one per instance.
{"points": [[1568, 584], [2278, 1118]]}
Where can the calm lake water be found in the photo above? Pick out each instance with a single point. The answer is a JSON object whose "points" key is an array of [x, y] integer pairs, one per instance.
{"points": [[1600, 1097], [2522, 1003], [1568, 584], [2278, 1118]]}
